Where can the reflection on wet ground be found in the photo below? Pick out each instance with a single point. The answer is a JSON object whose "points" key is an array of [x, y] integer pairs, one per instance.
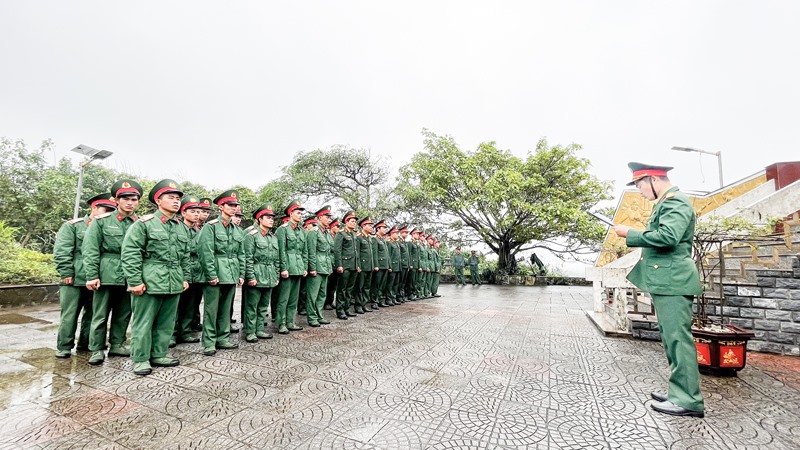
{"points": [[482, 367]]}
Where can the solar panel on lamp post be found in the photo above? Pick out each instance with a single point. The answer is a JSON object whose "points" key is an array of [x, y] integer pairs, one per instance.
{"points": [[91, 154]]}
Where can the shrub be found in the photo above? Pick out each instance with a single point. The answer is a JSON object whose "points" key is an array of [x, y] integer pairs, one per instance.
{"points": [[19, 265]]}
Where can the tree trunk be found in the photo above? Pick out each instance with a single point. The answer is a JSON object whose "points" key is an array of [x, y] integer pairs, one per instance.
{"points": [[504, 256]]}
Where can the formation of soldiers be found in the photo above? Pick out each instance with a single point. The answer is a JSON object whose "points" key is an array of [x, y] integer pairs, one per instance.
{"points": [[154, 272]]}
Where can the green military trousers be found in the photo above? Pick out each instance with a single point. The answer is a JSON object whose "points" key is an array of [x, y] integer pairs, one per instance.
{"points": [[363, 285], [476, 277], [330, 292], [113, 301], [435, 276], [411, 283], [287, 302], [316, 288], [459, 275], [217, 314], [152, 325], [273, 300], [420, 283], [376, 285], [675, 324], [390, 287], [73, 300], [344, 290], [256, 306], [186, 306]]}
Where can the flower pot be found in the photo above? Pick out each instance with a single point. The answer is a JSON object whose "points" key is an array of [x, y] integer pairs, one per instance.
{"points": [[721, 349]]}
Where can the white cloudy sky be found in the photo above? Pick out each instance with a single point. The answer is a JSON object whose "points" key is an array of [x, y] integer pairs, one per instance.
{"points": [[226, 92]]}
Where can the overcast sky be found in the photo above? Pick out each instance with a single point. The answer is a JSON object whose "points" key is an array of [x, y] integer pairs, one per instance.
{"points": [[223, 93]]}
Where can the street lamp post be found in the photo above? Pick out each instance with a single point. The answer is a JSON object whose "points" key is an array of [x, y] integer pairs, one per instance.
{"points": [[718, 154], [92, 154]]}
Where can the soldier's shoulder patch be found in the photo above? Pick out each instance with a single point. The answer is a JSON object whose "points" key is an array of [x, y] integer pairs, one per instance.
{"points": [[79, 219], [102, 216], [286, 224], [212, 222], [670, 195], [253, 231], [146, 217]]}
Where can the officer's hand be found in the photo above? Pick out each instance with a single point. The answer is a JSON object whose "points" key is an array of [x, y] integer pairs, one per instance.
{"points": [[358, 270], [241, 281], [376, 269], [313, 273], [67, 281], [305, 272], [340, 269], [419, 270], [390, 269], [621, 230], [285, 274], [138, 289], [214, 282], [93, 285], [185, 285], [252, 283]]}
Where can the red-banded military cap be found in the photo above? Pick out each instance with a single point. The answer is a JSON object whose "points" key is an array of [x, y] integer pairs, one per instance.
{"points": [[230, 196], [393, 230], [646, 170], [263, 210], [324, 211], [381, 223], [294, 205], [349, 215], [416, 230], [165, 186], [284, 219], [334, 223], [124, 187], [365, 221], [204, 203], [310, 220], [189, 202], [403, 228], [105, 200]]}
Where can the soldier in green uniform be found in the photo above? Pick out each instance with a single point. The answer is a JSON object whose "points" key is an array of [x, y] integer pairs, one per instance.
{"points": [[222, 258], [437, 267], [366, 259], [205, 212], [101, 248], [309, 224], [190, 298], [293, 264], [320, 266], [345, 258], [666, 270], [458, 266], [473, 268], [333, 278], [157, 266], [381, 257], [390, 291], [416, 270], [261, 273], [424, 264], [74, 297], [405, 264]]}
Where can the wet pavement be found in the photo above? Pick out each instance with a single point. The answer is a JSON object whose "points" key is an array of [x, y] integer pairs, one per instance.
{"points": [[481, 368]]}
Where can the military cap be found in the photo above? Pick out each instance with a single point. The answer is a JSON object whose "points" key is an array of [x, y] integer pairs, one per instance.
{"points": [[204, 203], [324, 211], [403, 227], [393, 230], [646, 170], [189, 201], [349, 215], [263, 210], [230, 196], [365, 221], [105, 199], [310, 220], [238, 212], [334, 223], [164, 186], [294, 205], [416, 230], [381, 223], [284, 219], [124, 187]]}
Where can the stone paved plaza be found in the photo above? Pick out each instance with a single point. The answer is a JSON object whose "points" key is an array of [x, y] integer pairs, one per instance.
{"points": [[481, 368]]}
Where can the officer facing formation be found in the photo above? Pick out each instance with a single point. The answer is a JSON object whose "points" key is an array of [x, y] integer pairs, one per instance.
{"points": [[156, 263], [666, 270], [101, 249], [222, 259], [74, 297]]}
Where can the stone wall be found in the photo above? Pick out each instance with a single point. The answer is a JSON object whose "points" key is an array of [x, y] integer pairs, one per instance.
{"points": [[15, 296]]}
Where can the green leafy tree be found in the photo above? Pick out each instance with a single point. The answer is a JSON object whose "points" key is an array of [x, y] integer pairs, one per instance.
{"points": [[509, 203]]}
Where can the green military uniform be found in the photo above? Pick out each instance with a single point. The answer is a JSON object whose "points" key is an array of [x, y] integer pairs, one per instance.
{"points": [[366, 259], [190, 298], [436, 269], [221, 251], [101, 249], [405, 258], [74, 297], [261, 266], [458, 267], [415, 272], [320, 266], [333, 278], [345, 255], [666, 270], [473, 269], [390, 291], [381, 261], [205, 205], [155, 254], [293, 259], [424, 264]]}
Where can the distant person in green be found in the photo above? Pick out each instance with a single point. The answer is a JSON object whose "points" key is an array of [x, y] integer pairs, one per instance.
{"points": [[74, 297], [473, 268], [221, 251], [261, 273], [666, 270], [345, 259], [102, 266], [458, 266], [436, 272], [320, 265], [190, 298], [293, 264], [382, 262], [333, 278], [366, 259], [390, 290], [157, 266]]}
